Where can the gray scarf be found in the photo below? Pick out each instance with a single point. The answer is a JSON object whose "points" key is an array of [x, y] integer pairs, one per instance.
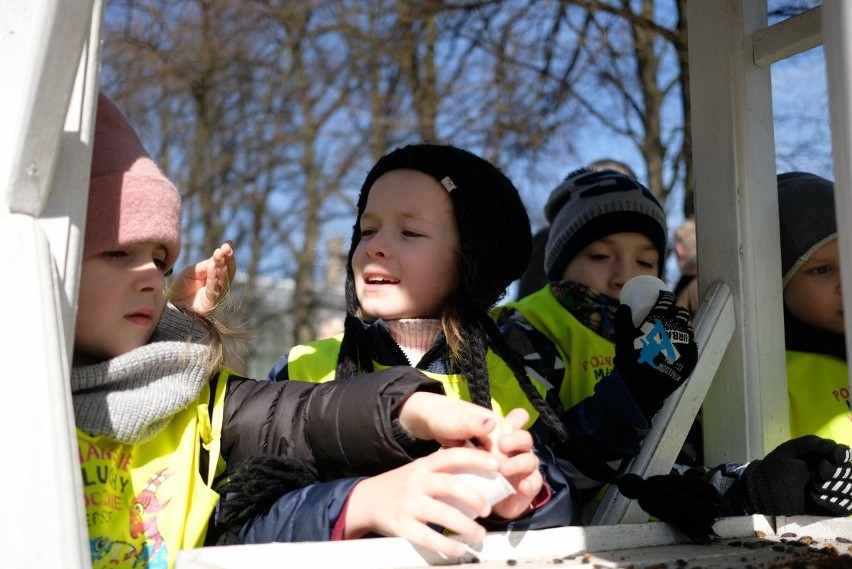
{"points": [[132, 397]]}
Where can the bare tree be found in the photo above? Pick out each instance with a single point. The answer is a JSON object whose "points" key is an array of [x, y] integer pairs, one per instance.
{"points": [[269, 113]]}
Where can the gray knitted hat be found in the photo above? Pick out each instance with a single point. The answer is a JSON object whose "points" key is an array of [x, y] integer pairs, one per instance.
{"points": [[589, 205], [806, 216]]}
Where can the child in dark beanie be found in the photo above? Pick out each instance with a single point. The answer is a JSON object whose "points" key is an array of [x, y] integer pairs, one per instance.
{"points": [[605, 228], [159, 417], [440, 234], [817, 372]]}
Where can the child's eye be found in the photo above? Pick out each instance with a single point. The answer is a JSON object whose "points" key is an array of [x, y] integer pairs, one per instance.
{"points": [[117, 254], [821, 270], [366, 231], [411, 233], [646, 264]]}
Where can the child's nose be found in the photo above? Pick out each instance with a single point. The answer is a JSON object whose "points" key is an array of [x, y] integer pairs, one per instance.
{"points": [[377, 246], [620, 275], [149, 277]]}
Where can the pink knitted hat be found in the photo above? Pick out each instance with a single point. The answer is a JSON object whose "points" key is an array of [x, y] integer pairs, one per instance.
{"points": [[130, 200]]}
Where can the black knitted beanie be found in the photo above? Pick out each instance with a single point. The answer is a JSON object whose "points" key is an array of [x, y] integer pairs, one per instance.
{"points": [[494, 229]]}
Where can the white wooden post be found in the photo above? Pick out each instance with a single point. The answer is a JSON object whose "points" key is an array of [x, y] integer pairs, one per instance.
{"points": [[745, 412], [837, 26], [50, 66]]}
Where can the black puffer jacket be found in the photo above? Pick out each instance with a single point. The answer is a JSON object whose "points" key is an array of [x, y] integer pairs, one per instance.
{"points": [[340, 427]]}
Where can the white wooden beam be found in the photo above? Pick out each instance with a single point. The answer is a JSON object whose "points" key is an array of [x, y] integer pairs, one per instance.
{"points": [[837, 23], [745, 413], [787, 38], [50, 65], [714, 327]]}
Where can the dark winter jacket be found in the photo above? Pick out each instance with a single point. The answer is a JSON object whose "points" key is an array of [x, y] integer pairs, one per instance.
{"points": [[346, 427]]}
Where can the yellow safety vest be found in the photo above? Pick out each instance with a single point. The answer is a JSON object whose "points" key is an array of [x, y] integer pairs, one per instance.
{"points": [[146, 502], [316, 362], [587, 357], [818, 389]]}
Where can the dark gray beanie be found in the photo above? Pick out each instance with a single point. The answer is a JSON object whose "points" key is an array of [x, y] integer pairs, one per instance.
{"points": [[589, 205], [806, 216]]}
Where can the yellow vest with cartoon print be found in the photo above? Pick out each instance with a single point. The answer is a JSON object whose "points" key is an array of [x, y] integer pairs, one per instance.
{"points": [[818, 389], [587, 357], [316, 362], [147, 501]]}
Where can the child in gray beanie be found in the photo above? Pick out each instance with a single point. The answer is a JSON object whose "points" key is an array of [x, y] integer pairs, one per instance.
{"points": [[605, 229], [817, 376], [159, 418]]}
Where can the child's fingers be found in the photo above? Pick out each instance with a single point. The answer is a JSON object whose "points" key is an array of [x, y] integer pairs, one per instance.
{"points": [[515, 442], [520, 466], [462, 459], [516, 418], [424, 536]]}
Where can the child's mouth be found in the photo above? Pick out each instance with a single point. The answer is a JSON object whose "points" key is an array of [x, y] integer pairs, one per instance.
{"points": [[380, 280]]}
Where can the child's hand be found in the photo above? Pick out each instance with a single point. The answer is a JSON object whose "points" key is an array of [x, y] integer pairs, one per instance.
{"points": [[449, 421], [808, 475], [520, 466], [203, 285], [656, 357], [403, 501]]}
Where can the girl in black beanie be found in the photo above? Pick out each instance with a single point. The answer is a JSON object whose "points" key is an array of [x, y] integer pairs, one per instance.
{"points": [[440, 234]]}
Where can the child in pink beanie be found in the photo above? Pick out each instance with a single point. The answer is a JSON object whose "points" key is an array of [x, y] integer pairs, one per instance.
{"points": [[159, 418]]}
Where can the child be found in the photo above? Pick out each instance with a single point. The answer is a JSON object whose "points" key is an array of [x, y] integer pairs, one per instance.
{"points": [[157, 416], [686, 288], [605, 229], [817, 373], [440, 233]]}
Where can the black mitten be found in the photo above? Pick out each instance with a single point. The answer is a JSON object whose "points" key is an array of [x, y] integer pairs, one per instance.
{"points": [[655, 358], [805, 476]]}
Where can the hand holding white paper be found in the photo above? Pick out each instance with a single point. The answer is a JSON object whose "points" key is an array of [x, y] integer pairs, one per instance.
{"points": [[640, 294]]}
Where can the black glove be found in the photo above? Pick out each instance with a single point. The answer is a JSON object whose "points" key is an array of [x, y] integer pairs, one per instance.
{"points": [[655, 358], [804, 476]]}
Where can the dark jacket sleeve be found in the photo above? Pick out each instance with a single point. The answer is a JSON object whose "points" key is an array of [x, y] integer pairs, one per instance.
{"points": [[307, 514], [341, 427]]}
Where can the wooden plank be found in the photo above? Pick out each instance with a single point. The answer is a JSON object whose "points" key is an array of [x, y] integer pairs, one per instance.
{"points": [[628, 545], [745, 412], [787, 38], [714, 327], [50, 49], [838, 57]]}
